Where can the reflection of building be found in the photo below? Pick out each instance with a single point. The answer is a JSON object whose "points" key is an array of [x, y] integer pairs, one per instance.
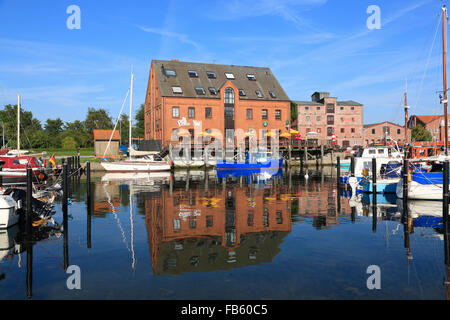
{"points": [[221, 229], [105, 196], [319, 202]]}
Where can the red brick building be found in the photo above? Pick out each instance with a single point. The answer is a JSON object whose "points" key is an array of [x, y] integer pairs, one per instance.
{"points": [[433, 123], [324, 116], [378, 132], [182, 94]]}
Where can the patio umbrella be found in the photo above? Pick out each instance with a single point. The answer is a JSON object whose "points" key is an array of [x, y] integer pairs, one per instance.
{"points": [[294, 131], [285, 135]]}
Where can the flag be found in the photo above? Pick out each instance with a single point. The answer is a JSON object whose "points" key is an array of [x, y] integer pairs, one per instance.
{"points": [[53, 161]]}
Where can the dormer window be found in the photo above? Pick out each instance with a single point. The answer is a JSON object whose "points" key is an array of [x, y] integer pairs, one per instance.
{"points": [[212, 91], [211, 75], [170, 73], [200, 91], [229, 76], [242, 93], [272, 94], [193, 74], [177, 90], [259, 93], [251, 77]]}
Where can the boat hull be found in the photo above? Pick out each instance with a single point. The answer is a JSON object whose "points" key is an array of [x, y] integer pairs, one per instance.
{"points": [[382, 186], [130, 166], [8, 212], [274, 164], [420, 191]]}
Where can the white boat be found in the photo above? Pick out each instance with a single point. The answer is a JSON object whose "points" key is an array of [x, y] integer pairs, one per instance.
{"points": [[8, 212], [127, 177], [144, 164]]}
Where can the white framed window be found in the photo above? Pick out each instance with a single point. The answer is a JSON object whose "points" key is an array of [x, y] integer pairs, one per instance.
{"points": [[177, 90], [193, 74], [251, 77], [229, 75], [200, 91]]}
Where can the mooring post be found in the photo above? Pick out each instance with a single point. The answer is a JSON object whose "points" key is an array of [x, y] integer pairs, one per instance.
{"points": [[29, 213], [445, 196], [374, 193], [89, 205], [405, 181], [289, 164], [65, 216], [321, 155], [338, 168], [29, 247], [1, 177], [306, 156], [352, 166]]}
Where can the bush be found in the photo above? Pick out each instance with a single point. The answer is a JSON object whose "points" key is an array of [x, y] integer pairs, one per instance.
{"points": [[69, 143]]}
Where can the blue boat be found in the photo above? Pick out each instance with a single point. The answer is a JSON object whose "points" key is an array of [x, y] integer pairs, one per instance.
{"points": [[253, 161]]}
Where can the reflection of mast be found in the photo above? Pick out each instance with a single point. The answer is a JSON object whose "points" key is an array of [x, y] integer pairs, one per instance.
{"points": [[133, 259], [446, 256]]}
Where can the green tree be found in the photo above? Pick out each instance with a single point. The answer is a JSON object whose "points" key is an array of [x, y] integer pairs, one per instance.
{"points": [[294, 112], [28, 124], [54, 127], [69, 143], [139, 126], [419, 133], [97, 119], [124, 126]]}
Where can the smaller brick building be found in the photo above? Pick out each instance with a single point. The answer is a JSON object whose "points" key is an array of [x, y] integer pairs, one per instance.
{"points": [[325, 116], [376, 133], [433, 123]]}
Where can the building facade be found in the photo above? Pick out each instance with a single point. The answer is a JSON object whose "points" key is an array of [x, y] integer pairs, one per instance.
{"points": [[183, 95], [378, 132], [324, 117], [435, 124]]}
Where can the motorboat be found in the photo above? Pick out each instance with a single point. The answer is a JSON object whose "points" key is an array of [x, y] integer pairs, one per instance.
{"points": [[145, 164], [261, 160]]}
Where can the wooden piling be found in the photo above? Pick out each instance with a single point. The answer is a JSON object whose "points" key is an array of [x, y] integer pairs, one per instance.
{"points": [[29, 195], [88, 204], [338, 168], [445, 196], [374, 192], [321, 155]]}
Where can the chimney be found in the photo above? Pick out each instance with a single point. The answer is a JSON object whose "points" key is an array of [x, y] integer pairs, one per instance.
{"points": [[319, 96]]}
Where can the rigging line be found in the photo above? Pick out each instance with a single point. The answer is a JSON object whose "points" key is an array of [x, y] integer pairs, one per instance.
{"points": [[113, 210], [117, 121], [428, 62]]}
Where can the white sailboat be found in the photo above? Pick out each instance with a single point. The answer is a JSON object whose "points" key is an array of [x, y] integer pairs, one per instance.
{"points": [[145, 164]]}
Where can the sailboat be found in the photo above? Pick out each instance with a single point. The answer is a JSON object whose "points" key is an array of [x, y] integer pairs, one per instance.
{"points": [[145, 164], [426, 183]]}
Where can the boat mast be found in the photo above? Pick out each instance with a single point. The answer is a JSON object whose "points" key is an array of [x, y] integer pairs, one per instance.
{"points": [[18, 125], [131, 104], [444, 43], [406, 114]]}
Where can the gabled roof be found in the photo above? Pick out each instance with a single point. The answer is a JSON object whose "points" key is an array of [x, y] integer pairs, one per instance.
{"points": [[265, 80], [106, 135], [307, 103], [377, 124], [348, 103], [427, 119], [338, 103]]}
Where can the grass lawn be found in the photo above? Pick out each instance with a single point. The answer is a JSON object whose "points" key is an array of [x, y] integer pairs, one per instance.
{"points": [[66, 152]]}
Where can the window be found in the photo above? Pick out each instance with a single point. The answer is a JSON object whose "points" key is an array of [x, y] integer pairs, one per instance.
{"points": [[259, 94], [176, 224], [170, 73], [208, 112], [330, 119], [229, 76], [191, 112], [177, 90], [193, 74], [175, 112], [398, 131], [251, 77], [353, 108], [272, 94], [212, 91], [342, 108], [342, 130], [373, 131], [211, 75], [330, 131], [318, 118], [264, 114], [306, 108], [277, 114], [353, 130], [209, 221], [319, 130], [241, 92], [330, 108], [200, 91], [318, 108], [308, 118], [249, 113], [229, 96]]}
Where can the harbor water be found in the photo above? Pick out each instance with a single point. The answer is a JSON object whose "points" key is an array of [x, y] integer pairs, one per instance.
{"points": [[194, 235]]}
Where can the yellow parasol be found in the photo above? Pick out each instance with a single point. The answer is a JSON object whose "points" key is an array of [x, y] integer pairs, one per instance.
{"points": [[294, 131], [285, 135]]}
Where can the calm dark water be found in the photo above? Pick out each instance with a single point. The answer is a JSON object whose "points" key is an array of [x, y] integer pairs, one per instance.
{"points": [[192, 237]]}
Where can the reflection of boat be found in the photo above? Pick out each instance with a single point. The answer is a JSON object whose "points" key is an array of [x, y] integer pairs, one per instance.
{"points": [[254, 161], [9, 215], [387, 198], [422, 208], [9, 242], [135, 176], [256, 175]]}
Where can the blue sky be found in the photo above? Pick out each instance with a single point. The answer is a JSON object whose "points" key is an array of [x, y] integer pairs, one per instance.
{"points": [[310, 45]]}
